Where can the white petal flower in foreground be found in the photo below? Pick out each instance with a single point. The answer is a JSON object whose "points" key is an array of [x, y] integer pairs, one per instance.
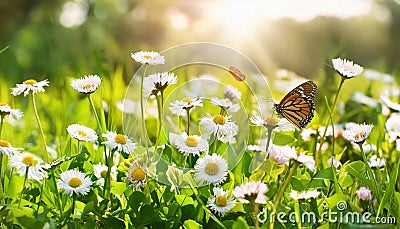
{"points": [[221, 126], [364, 194], [185, 104], [187, 145], [232, 93], [151, 58], [375, 161], [119, 142], [226, 104], [304, 195], [136, 175], [74, 182], [100, 171], [347, 68], [251, 191], [82, 133], [211, 169], [157, 82], [220, 203], [333, 162], [357, 133], [27, 162], [28, 86], [87, 84], [7, 149], [5, 110], [271, 122], [301, 157]]}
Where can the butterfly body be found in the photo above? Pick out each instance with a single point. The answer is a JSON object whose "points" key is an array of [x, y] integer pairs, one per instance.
{"points": [[298, 105]]}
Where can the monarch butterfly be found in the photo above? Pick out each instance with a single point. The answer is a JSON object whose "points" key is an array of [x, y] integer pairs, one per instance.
{"points": [[298, 105], [238, 75]]}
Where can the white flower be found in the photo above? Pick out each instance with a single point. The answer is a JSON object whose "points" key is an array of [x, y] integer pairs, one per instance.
{"points": [[333, 162], [100, 171], [279, 154], [187, 145], [301, 157], [232, 93], [221, 126], [346, 68], [155, 83], [175, 177], [7, 149], [366, 147], [315, 130], [28, 86], [357, 133], [304, 195], [375, 161], [271, 122], [82, 133], [119, 142], [136, 175], [375, 75], [86, 84], [211, 169], [151, 58], [251, 191], [128, 106], [393, 122], [185, 104], [389, 104], [364, 194], [220, 203], [363, 99], [24, 162], [5, 109], [74, 182], [226, 104]]}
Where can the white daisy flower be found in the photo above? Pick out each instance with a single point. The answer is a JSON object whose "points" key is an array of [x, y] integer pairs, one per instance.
{"points": [[271, 122], [364, 194], [155, 83], [393, 122], [7, 149], [304, 195], [279, 154], [251, 191], [363, 99], [175, 177], [220, 203], [29, 85], [100, 171], [376, 162], [375, 75], [232, 93], [394, 107], [5, 110], [357, 133], [211, 169], [82, 133], [128, 106], [151, 58], [346, 68], [301, 157], [187, 145], [136, 175], [86, 84], [226, 104], [119, 142], [333, 162], [366, 147], [221, 126], [74, 182], [185, 104], [27, 162]]}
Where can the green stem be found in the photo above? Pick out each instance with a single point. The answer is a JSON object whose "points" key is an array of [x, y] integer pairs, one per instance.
{"points": [[93, 108], [23, 187], [40, 199], [160, 100], [370, 173], [256, 215], [188, 121], [144, 133], [73, 203], [1, 156], [57, 194], [1, 124], [46, 154], [107, 179]]}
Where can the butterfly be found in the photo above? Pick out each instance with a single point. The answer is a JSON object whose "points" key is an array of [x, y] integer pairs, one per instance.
{"points": [[238, 75], [298, 105]]}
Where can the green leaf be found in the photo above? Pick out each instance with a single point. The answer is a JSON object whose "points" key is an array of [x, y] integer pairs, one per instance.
{"points": [[118, 188], [282, 139], [88, 208], [190, 224], [390, 189], [357, 169], [15, 186], [183, 200], [240, 224], [135, 200]]}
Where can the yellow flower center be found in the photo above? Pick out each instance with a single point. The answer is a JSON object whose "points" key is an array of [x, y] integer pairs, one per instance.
{"points": [[75, 182], [4, 143], [315, 126], [3, 104], [147, 57], [103, 173], [298, 152], [121, 139], [211, 169], [28, 160], [30, 82], [271, 120], [82, 133], [219, 119], [191, 141], [87, 86], [359, 135], [138, 174], [187, 100], [221, 201]]}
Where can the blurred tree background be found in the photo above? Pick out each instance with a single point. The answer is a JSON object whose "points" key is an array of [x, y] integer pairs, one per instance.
{"points": [[59, 38]]}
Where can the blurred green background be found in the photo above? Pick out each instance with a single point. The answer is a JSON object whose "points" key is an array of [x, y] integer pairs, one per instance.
{"points": [[71, 38]]}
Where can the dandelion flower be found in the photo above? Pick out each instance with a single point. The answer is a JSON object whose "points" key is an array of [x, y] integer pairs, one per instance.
{"points": [[232, 93], [357, 133], [211, 169], [100, 171], [225, 104], [220, 203], [5, 110], [151, 58], [304, 195], [185, 104], [175, 177], [346, 68], [87, 84], [29, 85], [26, 162], [136, 175], [74, 182], [187, 145], [364, 194], [252, 191], [7, 149], [333, 162], [157, 82], [82, 133], [119, 142], [221, 126]]}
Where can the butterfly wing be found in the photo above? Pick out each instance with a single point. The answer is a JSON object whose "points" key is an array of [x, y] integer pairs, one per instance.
{"points": [[298, 105]]}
